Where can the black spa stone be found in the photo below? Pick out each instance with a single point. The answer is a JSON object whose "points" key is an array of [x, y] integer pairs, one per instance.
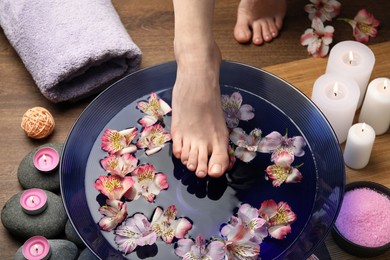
{"points": [[71, 235], [29, 177], [50, 223], [60, 250]]}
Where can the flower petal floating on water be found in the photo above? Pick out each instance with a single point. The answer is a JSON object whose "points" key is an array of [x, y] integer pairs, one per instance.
{"points": [[325, 10], [247, 145], [153, 139], [155, 108], [279, 217], [279, 174], [234, 111], [318, 38], [135, 231], [119, 165], [274, 140], [114, 212], [200, 250], [148, 183], [364, 25], [114, 187], [167, 226], [114, 141], [282, 156]]}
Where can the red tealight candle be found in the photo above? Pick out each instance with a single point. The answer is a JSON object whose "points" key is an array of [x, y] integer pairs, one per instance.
{"points": [[33, 201], [36, 248], [46, 159]]}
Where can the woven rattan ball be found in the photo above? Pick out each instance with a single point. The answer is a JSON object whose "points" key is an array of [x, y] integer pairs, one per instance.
{"points": [[38, 123]]}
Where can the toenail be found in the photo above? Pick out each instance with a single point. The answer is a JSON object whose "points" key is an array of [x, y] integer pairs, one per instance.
{"points": [[217, 168], [191, 167], [257, 40], [267, 37], [185, 162], [273, 34], [201, 174]]}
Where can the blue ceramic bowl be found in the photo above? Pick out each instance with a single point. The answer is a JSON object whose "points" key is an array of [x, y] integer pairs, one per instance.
{"points": [[209, 202]]}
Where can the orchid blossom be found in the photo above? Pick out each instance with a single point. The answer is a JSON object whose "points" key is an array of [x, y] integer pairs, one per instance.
{"points": [[247, 145], [279, 174], [167, 226], [147, 183], [153, 139], [119, 165], [247, 226], [200, 249], [279, 217], [114, 141], [135, 231], [155, 109], [274, 140], [234, 111], [317, 38], [114, 212], [325, 10], [364, 25], [114, 187]]}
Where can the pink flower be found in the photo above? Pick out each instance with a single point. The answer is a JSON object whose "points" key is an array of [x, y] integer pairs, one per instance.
{"points": [[247, 226], [275, 140], [364, 25], [326, 10], [155, 109], [234, 111], [119, 165], [135, 231], [317, 38], [279, 217], [283, 156], [153, 139], [200, 249], [246, 144], [114, 187], [148, 183], [114, 141], [114, 212], [167, 226], [279, 174]]}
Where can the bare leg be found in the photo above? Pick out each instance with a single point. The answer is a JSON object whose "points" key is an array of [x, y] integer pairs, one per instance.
{"points": [[198, 125], [259, 20]]}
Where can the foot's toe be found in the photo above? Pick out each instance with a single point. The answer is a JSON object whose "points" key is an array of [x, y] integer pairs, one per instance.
{"points": [[201, 170], [257, 38], [242, 32], [192, 162], [266, 32], [218, 163], [272, 28], [279, 22], [185, 153], [177, 145]]}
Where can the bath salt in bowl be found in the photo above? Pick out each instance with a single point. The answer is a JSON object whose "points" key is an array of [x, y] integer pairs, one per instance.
{"points": [[362, 227]]}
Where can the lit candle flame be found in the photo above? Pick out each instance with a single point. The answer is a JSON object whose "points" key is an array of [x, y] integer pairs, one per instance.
{"points": [[335, 89], [350, 57], [385, 84], [363, 127]]}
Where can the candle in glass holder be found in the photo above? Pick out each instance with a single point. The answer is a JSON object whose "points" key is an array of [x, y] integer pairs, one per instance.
{"points": [[46, 159], [337, 98], [36, 248], [354, 60], [33, 201], [358, 147], [376, 106]]}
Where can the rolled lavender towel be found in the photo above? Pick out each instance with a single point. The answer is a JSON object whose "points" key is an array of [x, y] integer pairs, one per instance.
{"points": [[72, 48]]}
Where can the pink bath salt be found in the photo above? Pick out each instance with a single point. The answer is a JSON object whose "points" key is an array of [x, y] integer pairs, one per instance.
{"points": [[364, 217]]}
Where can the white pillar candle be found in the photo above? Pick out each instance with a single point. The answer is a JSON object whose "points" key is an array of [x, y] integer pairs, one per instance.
{"points": [[337, 98], [376, 106], [359, 144], [352, 59]]}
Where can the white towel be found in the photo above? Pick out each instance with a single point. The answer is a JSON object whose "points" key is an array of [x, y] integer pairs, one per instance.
{"points": [[72, 48]]}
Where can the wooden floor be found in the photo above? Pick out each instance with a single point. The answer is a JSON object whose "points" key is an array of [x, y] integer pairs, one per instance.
{"points": [[150, 23]]}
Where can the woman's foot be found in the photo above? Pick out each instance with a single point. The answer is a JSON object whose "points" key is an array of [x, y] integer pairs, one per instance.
{"points": [[198, 125], [259, 20]]}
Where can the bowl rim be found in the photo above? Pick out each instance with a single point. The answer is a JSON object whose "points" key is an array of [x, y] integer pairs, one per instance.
{"points": [[347, 244]]}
